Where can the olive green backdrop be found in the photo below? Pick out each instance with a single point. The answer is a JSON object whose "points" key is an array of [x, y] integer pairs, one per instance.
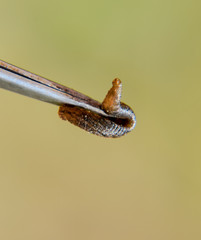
{"points": [[60, 182]]}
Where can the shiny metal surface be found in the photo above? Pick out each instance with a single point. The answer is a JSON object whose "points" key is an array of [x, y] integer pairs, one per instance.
{"points": [[31, 85]]}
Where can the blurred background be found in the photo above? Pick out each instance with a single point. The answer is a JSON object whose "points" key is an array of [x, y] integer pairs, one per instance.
{"points": [[60, 182]]}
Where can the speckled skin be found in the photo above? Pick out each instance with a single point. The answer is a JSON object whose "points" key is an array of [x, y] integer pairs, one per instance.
{"points": [[122, 120]]}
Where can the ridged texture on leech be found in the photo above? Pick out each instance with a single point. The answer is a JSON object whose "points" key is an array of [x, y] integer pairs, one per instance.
{"points": [[95, 123]]}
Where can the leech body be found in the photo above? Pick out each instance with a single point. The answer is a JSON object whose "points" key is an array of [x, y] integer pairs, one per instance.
{"points": [[122, 122], [109, 119]]}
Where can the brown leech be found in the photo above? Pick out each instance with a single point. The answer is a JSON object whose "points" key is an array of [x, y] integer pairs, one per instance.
{"points": [[109, 119], [122, 122]]}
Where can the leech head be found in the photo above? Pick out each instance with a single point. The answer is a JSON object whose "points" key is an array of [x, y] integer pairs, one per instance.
{"points": [[120, 119], [111, 103]]}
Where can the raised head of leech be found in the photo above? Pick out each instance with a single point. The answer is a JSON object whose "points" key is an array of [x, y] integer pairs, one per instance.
{"points": [[120, 121]]}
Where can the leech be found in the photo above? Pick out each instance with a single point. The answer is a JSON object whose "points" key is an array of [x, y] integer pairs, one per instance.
{"points": [[122, 122], [112, 118]]}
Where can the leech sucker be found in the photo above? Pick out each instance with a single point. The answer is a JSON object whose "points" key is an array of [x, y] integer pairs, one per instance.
{"points": [[121, 120]]}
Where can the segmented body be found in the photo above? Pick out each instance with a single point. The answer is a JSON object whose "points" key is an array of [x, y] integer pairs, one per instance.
{"points": [[92, 122]]}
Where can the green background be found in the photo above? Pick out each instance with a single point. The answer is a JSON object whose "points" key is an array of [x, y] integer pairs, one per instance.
{"points": [[60, 182]]}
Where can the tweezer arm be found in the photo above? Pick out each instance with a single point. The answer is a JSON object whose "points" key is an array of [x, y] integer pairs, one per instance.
{"points": [[26, 83]]}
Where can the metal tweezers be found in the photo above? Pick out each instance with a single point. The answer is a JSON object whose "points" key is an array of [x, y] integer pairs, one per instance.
{"points": [[26, 83]]}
